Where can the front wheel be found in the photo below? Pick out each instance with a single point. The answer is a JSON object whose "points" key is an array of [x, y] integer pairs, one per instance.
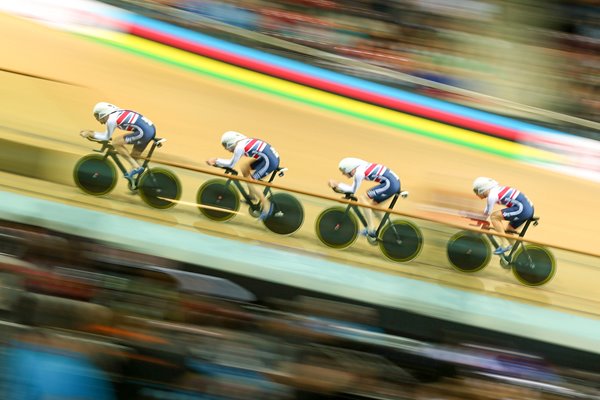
{"points": [[468, 251], [400, 241], [95, 174], [288, 214], [218, 200], [159, 188], [337, 228], [533, 265]]}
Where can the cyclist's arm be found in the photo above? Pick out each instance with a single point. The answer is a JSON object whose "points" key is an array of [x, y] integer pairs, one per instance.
{"points": [[358, 178], [111, 125], [489, 207], [229, 163]]}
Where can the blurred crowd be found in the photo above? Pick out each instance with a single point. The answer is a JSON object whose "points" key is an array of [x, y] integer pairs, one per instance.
{"points": [[84, 320], [537, 53]]}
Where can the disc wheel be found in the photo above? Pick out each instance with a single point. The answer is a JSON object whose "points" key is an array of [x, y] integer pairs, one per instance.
{"points": [[533, 265], [400, 241], [95, 174], [218, 200], [159, 188], [468, 251], [337, 228], [288, 214]]}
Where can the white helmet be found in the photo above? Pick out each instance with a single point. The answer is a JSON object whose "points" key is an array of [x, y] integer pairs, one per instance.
{"points": [[230, 138], [103, 108], [348, 164], [481, 184]]}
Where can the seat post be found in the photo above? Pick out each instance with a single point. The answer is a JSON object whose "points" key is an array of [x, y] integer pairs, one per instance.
{"points": [[394, 200], [154, 143], [386, 216], [522, 233], [272, 177]]}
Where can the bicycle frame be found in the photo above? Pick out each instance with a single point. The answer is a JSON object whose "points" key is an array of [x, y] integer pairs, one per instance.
{"points": [[399, 240], [221, 194], [518, 243], [531, 264], [363, 220], [97, 175], [109, 151], [238, 184]]}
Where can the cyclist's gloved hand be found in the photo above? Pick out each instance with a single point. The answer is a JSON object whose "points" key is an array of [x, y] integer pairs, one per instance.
{"points": [[86, 134], [484, 223]]}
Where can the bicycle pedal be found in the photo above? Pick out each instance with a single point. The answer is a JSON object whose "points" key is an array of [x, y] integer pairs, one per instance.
{"points": [[131, 184], [505, 263], [372, 240]]}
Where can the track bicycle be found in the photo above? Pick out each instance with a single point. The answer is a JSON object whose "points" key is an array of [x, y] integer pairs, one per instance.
{"points": [[399, 240], [219, 200], [531, 264], [96, 174]]}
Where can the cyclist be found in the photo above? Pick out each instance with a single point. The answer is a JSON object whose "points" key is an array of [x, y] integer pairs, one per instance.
{"points": [[359, 170], [518, 207], [141, 130], [264, 159]]}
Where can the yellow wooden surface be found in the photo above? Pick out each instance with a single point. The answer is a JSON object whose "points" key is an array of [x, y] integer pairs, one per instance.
{"points": [[192, 111]]}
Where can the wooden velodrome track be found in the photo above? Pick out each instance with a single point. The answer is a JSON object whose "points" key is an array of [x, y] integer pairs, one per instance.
{"points": [[50, 81]]}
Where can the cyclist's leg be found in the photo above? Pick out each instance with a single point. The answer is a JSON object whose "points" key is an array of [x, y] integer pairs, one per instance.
{"points": [[261, 168], [119, 143], [246, 170], [519, 213], [140, 143], [497, 219], [369, 215], [380, 194]]}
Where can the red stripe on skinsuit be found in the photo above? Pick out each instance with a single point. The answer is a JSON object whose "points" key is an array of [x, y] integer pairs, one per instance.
{"points": [[371, 168], [249, 145], [122, 117], [503, 192]]}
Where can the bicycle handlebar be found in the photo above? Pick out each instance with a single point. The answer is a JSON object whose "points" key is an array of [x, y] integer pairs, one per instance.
{"points": [[350, 196], [105, 143], [479, 219], [347, 195], [481, 223], [228, 170]]}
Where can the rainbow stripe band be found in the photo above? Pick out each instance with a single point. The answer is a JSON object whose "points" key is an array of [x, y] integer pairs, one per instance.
{"points": [[265, 72]]}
